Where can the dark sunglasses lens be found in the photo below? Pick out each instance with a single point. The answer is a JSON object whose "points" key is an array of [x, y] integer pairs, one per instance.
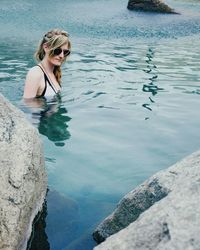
{"points": [[66, 52], [57, 51]]}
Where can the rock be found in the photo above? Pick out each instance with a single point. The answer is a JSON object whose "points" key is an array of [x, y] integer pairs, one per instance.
{"points": [[172, 216], [23, 180], [129, 208], [151, 6]]}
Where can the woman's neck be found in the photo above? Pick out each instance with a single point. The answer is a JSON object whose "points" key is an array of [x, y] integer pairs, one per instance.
{"points": [[49, 67]]}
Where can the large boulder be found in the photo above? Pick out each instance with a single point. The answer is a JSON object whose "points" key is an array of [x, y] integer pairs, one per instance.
{"points": [[164, 212], [23, 180], [151, 6]]}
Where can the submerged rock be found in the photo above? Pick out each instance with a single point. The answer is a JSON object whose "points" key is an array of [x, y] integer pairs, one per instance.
{"points": [[58, 221], [164, 212], [130, 207], [23, 180], [150, 5], [62, 220]]}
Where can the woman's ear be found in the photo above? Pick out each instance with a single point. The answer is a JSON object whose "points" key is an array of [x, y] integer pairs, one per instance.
{"points": [[45, 47]]}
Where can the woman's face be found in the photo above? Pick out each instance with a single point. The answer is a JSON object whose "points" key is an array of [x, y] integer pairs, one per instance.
{"points": [[59, 55]]}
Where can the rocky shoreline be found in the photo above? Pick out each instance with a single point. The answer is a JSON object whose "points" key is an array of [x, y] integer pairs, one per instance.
{"points": [[162, 213], [23, 179]]}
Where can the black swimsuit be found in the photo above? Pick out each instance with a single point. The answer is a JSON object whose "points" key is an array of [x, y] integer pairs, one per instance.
{"points": [[47, 83]]}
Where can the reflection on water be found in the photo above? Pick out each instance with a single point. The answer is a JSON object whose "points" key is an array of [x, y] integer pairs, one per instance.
{"points": [[151, 86], [53, 124], [51, 118]]}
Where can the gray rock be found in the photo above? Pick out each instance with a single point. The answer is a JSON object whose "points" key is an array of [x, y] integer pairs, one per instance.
{"points": [[23, 180], [172, 217], [151, 6]]}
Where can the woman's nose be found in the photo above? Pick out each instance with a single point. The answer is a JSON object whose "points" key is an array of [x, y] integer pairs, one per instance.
{"points": [[61, 54]]}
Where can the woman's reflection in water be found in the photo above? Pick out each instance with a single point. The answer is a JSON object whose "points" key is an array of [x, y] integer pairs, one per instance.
{"points": [[51, 118]]}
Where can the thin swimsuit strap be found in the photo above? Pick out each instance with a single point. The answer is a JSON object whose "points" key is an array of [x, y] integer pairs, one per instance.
{"points": [[46, 79]]}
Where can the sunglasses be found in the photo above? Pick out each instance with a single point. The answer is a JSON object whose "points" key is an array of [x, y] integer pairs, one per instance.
{"points": [[58, 51]]}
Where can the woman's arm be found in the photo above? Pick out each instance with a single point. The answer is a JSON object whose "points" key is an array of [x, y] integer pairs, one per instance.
{"points": [[32, 83]]}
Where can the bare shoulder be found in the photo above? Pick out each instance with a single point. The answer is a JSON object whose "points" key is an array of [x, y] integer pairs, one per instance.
{"points": [[35, 73], [33, 82]]}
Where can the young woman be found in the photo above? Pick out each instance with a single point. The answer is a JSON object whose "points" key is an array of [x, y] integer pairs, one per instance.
{"points": [[44, 79]]}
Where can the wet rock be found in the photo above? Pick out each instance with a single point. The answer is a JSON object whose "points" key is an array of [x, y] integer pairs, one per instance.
{"points": [[162, 213], [151, 6], [23, 180]]}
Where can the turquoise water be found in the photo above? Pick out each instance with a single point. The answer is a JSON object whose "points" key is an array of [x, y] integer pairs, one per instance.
{"points": [[128, 108]]}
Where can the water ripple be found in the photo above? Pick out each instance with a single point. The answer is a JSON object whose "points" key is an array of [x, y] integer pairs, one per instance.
{"points": [[4, 75]]}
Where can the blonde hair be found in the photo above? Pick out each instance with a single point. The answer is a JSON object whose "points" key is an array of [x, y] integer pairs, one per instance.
{"points": [[54, 39]]}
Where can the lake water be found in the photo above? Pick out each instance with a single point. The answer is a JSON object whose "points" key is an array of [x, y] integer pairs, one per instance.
{"points": [[128, 108]]}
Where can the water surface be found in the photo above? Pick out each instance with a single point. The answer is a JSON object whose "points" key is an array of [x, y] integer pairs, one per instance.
{"points": [[128, 108]]}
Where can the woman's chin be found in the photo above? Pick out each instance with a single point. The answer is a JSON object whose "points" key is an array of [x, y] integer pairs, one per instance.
{"points": [[57, 63]]}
